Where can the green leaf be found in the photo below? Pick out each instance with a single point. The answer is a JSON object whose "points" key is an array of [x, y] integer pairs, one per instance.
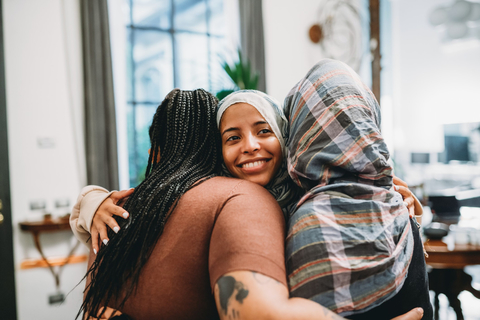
{"points": [[241, 74], [222, 94]]}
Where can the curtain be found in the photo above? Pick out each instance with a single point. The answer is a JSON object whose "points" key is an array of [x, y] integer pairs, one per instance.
{"points": [[100, 124], [251, 34]]}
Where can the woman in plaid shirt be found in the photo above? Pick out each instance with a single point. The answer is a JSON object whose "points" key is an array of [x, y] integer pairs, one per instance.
{"points": [[351, 245]]}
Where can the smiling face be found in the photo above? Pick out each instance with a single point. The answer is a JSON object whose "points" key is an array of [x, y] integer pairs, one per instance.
{"points": [[250, 149]]}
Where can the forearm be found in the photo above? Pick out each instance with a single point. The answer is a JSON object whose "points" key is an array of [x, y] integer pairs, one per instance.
{"points": [[250, 295], [298, 308]]}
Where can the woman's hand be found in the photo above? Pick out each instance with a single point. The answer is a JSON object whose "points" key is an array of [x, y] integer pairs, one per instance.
{"points": [[414, 314], [104, 217], [414, 206]]}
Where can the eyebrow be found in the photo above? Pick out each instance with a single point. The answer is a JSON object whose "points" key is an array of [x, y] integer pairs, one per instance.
{"points": [[235, 128]]}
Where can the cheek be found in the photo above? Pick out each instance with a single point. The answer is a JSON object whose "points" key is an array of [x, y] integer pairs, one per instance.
{"points": [[228, 158]]}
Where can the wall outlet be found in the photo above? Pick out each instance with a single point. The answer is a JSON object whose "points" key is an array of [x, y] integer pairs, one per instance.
{"points": [[62, 203], [56, 298], [37, 204]]}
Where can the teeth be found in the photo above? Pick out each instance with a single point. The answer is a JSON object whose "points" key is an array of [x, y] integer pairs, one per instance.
{"points": [[253, 164]]}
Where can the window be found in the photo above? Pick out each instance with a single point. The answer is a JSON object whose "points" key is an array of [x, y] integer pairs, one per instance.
{"points": [[169, 44]]}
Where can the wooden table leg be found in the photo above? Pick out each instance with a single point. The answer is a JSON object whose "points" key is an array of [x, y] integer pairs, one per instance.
{"points": [[451, 282]]}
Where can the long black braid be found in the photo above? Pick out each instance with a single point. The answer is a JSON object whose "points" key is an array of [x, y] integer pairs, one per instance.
{"points": [[184, 134]]}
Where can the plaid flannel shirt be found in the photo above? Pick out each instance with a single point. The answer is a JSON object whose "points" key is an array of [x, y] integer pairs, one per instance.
{"points": [[349, 240]]}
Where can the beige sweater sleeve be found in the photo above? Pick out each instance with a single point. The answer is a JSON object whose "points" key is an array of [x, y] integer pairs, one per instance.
{"points": [[88, 201]]}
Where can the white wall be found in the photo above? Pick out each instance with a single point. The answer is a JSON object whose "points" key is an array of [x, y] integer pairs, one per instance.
{"points": [[289, 53], [433, 82], [44, 99]]}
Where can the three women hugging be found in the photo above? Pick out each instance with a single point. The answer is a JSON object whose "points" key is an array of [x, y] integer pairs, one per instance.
{"points": [[317, 228]]}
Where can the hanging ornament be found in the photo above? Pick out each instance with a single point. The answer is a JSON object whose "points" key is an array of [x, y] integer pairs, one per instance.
{"points": [[338, 31]]}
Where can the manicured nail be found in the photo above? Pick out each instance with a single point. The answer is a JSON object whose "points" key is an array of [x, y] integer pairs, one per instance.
{"points": [[105, 241], [95, 251], [116, 229], [395, 187], [125, 214]]}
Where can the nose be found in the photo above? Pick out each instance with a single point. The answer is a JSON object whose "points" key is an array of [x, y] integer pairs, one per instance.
{"points": [[250, 144]]}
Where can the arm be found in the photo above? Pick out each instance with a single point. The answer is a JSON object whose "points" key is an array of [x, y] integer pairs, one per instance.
{"points": [[250, 295]]}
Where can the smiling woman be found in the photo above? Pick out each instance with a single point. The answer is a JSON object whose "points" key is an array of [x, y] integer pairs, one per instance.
{"points": [[250, 149]]}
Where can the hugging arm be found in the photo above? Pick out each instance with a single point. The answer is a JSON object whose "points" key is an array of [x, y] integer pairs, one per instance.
{"points": [[251, 295]]}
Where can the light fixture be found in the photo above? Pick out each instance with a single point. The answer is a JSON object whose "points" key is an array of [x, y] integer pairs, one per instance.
{"points": [[460, 20], [475, 12], [459, 11], [456, 30]]}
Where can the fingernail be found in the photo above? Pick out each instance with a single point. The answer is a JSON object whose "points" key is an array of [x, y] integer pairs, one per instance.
{"points": [[116, 229], [405, 204], [395, 187], [95, 251], [105, 241], [420, 310], [125, 214]]}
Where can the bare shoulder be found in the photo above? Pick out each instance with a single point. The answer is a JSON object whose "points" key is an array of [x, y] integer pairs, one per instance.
{"points": [[231, 186]]}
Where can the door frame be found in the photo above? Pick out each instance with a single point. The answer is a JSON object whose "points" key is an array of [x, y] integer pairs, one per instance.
{"points": [[8, 307]]}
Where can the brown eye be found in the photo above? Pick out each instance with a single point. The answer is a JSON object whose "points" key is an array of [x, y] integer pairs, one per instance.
{"points": [[233, 138]]}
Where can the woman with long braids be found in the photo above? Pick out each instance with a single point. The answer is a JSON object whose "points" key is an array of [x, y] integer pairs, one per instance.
{"points": [[243, 255], [183, 134]]}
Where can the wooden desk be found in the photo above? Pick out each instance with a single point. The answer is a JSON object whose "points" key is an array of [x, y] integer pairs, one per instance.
{"points": [[457, 257], [447, 275], [50, 225]]}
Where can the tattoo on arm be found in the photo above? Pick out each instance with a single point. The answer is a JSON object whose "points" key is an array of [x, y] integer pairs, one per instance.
{"points": [[227, 285]]}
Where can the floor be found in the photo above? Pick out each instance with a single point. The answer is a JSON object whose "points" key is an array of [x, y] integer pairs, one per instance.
{"points": [[470, 304]]}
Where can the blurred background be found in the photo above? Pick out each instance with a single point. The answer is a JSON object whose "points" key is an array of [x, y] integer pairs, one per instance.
{"points": [[81, 79]]}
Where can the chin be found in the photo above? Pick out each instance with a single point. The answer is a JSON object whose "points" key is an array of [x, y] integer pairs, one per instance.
{"points": [[259, 181]]}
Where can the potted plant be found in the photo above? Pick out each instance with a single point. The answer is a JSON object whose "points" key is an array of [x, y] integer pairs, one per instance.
{"points": [[241, 74]]}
